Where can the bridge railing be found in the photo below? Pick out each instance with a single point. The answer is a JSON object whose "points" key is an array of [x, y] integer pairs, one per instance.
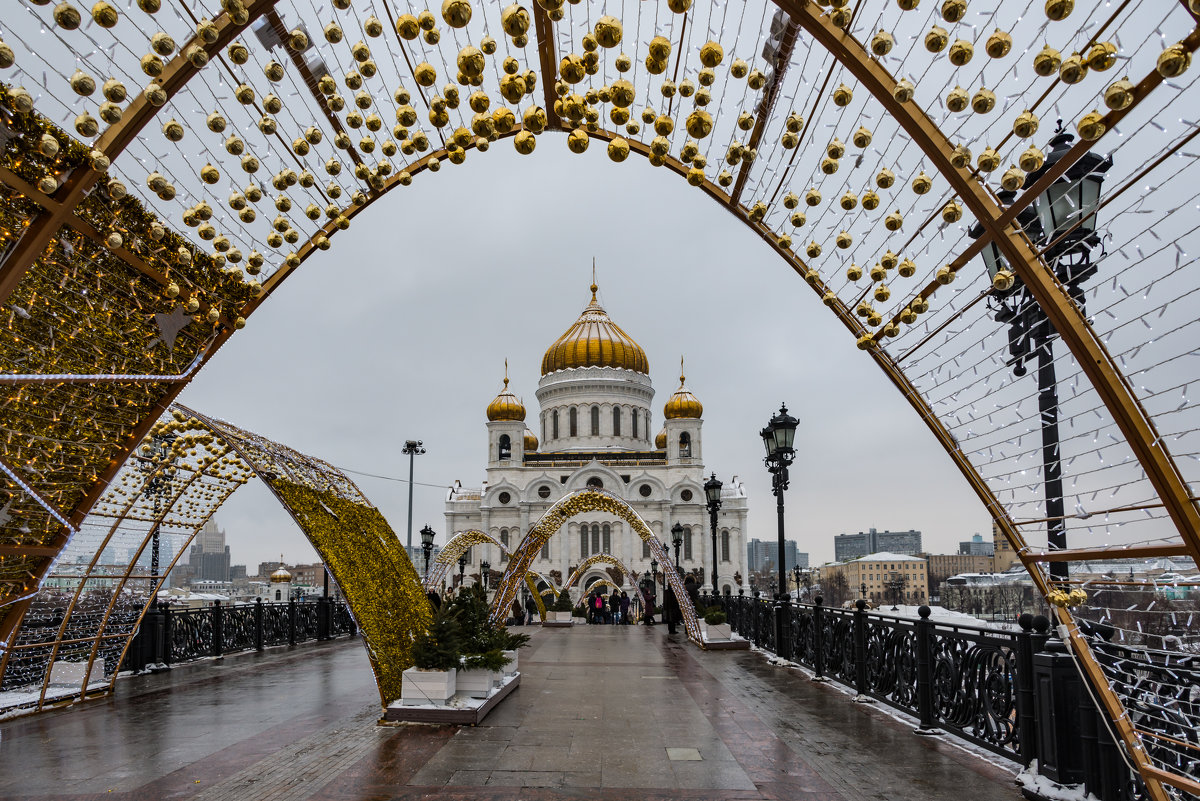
{"points": [[171, 636], [1013, 693]]}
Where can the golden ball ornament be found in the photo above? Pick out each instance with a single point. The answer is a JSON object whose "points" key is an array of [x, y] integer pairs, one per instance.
{"points": [[1101, 56], [1174, 61], [695, 176], [842, 95], [250, 166], [1047, 61], [903, 91], [172, 290], [848, 201], [425, 74], [664, 125], [173, 130], [952, 212], [879, 272], [844, 240], [152, 65], [162, 44], [988, 160], [894, 221], [1031, 159], [1058, 10], [885, 178], [937, 39], [829, 166], [881, 294], [957, 99], [1091, 126], [66, 16], [525, 142], [1026, 124], [870, 200], [835, 149], [679, 6], [608, 31], [983, 101], [998, 44], [862, 137], [1012, 179], [882, 43], [739, 68], [150, 6], [456, 13], [699, 124], [1073, 69], [756, 80], [812, 197], [514, 19], [944, 275], [156, 95], [1003, 280], [813, 250], [961, 52], [954, 10], [854, 272], [1119, 95], [82, 83], [407, 27]]}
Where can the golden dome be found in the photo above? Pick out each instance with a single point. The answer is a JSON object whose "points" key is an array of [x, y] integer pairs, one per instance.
{"points": [[281, 575], [531, 442], [660, 440], [683, 404], [594, 340], [506, 406]]}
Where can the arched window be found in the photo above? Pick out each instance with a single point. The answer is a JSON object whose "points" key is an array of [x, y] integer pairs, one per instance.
{"points": [[583, 541], [635, 422], [725, 545], [278, 595], [546, 551], [616, 421], [687, 543], [607, 532], [595, 538], [504, 542], [685, 445], [595, 421], [595, 481], [573, 422], [554, 423], [645, 549], [505, 447]]}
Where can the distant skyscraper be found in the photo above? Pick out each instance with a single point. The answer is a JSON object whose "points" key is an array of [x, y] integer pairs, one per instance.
{"points": [[761, 552], [977, 547], [209, 555], [856, 546]]}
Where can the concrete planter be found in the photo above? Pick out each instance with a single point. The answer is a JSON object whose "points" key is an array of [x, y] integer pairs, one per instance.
{"points": [[428, 686], [476, 683], [562, 617], [721, 632], [511, 667]]}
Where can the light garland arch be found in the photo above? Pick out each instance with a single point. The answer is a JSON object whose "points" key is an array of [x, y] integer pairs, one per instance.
{"points": [[596, 559]]}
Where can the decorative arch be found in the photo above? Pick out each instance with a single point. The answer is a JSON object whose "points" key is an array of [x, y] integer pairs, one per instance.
{"points": [[64, 223], [596, 559], [456, 546], [601, 581], [577, 503]]}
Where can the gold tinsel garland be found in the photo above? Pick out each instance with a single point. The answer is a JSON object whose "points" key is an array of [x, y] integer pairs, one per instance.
{"points": [[369, 564]]}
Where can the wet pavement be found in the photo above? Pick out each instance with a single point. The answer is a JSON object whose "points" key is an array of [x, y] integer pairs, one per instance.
{"points": [[603, 712]]}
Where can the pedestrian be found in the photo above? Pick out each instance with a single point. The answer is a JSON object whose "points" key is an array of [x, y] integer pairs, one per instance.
{"points": [[518, 614], [529, 614], [598, 608], [434, 600], [648, 602], [624, 607], [614, 608], [670, 608]]}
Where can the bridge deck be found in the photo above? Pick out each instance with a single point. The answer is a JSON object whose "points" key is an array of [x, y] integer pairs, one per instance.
{"points": [[601, 710]]}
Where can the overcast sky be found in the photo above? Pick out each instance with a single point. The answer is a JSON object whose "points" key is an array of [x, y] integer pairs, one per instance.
{"points": [[401, 331]]}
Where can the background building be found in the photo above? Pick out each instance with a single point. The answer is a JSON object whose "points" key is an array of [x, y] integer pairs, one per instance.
{"points": [[976, 546], [209, 555], [884, 576], [596, 430], [1003, 555], [855, 546], [761, 553]]}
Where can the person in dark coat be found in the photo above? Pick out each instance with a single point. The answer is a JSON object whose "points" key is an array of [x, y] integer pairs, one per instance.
{"points": [[624, 607], [648, 599], [435, 600], [670, 608], [518, 614]]}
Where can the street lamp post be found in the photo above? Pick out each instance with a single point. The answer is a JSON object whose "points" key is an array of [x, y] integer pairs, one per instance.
{"points": [[863, 587], [485, 569], [462, 568], [157, 487], [796, 575], [654, 574], [712, 491], [1062, 223], [777, 438], [427, 536], [677, 541], [412, 448]]}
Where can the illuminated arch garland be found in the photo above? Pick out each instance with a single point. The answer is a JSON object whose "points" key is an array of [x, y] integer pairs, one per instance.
{"points": [[60, 214], [458, 544], [577, 503], [598, 558]]}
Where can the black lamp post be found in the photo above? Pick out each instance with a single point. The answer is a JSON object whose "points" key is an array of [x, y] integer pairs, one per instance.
{"points": [[677, 541], [412, 448], [485, 569], [158, 486], [712, 491], [796, 575], [1062, 222], [462, 568], [863, 587], [427, 536], [654, 573], [777, 438]]}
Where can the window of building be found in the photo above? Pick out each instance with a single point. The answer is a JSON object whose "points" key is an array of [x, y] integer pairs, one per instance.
{"points": [[595, 421], [687, 543], [573, 422], [583, 541], [505, 447], [504, 542], [686, 495], [645, 549], [595, 538], [543, 491], [725, 545], [554, 422], [616, 421], [645, 490], [685, 445], [278, 595], [635, 423], [595, 481], [607, 532], [504, 498], [546, 551]]}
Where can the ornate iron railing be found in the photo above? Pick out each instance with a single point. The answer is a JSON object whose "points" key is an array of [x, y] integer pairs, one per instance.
{"points": [[1009, 692], [169, 636]]}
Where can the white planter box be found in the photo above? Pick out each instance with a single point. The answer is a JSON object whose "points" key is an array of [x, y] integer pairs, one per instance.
{"points": [[562, 617], [476, 683], [428, 686], [511, 667], [721, 632]]}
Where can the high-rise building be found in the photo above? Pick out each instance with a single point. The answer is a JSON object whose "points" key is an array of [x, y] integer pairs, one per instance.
{"points": [[976, 547], [1003, 556], [762, 552], [209, 555], [856, 546]]}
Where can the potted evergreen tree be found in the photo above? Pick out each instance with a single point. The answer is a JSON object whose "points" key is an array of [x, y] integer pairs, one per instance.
{"points": [[563, 607], [483, 644], [436, 655], [513, 641], [716, 628]]}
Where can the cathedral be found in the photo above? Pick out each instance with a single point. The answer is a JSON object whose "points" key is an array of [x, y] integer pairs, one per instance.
{"points": [[594, 429]]}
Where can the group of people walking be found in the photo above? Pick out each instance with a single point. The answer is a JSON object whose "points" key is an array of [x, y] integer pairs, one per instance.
{"points": [[613, 609]]}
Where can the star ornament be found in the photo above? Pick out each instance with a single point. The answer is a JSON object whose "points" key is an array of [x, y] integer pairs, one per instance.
{"points": [[169, 326]]}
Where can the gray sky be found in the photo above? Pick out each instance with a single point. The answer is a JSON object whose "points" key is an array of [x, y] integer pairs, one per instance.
{"points": [[401, 330]]}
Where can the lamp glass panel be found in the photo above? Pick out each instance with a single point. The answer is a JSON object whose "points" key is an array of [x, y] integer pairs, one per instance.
{"points": [[993, 259], [768, 437], [785, 433], [1089, 201], [712, 489]]}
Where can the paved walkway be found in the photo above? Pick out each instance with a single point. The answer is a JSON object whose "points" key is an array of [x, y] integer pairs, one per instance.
{"points": [[603, 712]]}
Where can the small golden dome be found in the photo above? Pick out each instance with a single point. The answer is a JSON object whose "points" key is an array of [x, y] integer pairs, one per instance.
{"points": [[281, 575], [531, 442], [683, 404], [506, 406], [660, 440], [594, 340]]}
